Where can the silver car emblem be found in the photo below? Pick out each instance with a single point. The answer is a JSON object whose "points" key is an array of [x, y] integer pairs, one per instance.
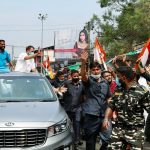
{"points": [[9, 124]]}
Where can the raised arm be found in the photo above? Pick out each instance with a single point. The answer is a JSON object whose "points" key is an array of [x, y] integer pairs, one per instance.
{"points": [[32, 56], [84, 58]]}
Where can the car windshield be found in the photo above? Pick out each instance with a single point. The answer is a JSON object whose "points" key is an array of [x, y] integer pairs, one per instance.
{"points": [[25, 89]]}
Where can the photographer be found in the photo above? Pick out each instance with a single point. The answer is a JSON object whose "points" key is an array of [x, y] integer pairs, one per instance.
{"points": [[25, 61]]}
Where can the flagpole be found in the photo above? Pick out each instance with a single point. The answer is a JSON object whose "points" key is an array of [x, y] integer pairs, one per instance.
{"points": [[104, 64], [42, 18], [54, 42]]}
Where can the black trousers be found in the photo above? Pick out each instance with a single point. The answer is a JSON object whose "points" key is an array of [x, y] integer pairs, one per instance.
{"points": [[92, 125], [76, 125]]}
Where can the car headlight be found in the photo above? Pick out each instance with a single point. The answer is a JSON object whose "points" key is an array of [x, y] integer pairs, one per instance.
{"points": [[58, 128]]}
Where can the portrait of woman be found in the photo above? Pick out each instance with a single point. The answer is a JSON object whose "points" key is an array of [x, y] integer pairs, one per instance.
{"points": [[81, 44]]}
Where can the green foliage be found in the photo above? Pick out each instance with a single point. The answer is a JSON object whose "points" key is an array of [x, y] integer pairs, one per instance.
{"points": [[125, 24]]}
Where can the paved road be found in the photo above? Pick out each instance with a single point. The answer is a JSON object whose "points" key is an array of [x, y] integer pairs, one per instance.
{"points": [[146, 146], [83, 146]]}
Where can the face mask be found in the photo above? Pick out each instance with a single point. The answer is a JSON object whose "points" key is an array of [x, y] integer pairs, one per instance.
{"points": [[96, 76], [31, 53], [75, 80], [61, 81]]}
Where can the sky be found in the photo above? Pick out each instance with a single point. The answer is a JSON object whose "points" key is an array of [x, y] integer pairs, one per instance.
{"points": [[20, 26]]}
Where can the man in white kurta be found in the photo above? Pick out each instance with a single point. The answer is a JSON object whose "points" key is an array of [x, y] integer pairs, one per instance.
{"points": [[25, 61]]}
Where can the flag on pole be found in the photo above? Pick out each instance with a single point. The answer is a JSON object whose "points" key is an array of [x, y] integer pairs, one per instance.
{"points": [[48, 68], [145, 54], [46, 63], [99, 53]]}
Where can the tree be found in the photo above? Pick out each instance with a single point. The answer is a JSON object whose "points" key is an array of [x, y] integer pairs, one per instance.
{"points": [[125, 24]]}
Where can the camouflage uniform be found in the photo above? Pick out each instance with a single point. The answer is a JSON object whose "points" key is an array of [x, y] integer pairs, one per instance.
{"points": [[129, 127]]}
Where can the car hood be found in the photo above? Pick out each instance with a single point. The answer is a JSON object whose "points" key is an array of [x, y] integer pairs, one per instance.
{"points": [[31, 112]]}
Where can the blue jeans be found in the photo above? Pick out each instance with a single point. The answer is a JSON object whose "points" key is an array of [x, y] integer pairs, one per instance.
{"points": [[105, 136]]}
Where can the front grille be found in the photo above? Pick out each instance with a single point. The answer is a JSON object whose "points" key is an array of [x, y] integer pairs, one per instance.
{"points": [[22, 138]]}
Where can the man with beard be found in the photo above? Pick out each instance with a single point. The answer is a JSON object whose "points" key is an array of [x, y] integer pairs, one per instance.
{"points": [[129, 101], [105, 135], [4, 58], [108, 77], [97, 94]]}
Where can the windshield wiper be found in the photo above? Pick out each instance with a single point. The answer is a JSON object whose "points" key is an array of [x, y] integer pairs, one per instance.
{"points": [[47, 100], [37, 100], [4, 101]]}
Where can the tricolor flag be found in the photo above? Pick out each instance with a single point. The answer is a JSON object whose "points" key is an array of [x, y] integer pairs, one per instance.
{"points": [[46, 63], [99, 53], [145, 53], [48, 68]]}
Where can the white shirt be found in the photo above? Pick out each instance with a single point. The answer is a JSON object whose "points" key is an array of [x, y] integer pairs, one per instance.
{"points": [[142, 81], [23, 65]]}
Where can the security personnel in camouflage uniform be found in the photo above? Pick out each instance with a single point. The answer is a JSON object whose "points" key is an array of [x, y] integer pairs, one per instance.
{"points": [[129, 101]]}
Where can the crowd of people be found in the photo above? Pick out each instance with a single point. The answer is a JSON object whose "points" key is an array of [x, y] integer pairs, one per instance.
{"points": [[108, 104]]}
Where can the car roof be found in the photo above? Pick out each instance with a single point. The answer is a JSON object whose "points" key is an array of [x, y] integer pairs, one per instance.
{"points": [[21, 74]]}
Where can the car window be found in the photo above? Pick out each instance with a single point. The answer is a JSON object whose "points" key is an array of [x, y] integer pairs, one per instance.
{"points": [[27, 89]]}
